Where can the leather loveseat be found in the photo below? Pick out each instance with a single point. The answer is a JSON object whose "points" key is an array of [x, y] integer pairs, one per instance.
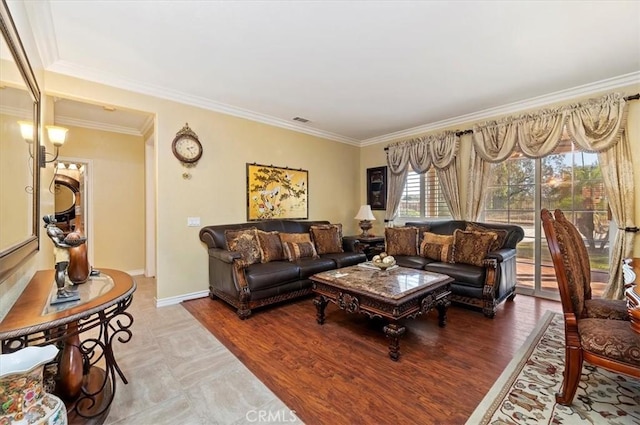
{"points": [[483, 286], [247, 286]]}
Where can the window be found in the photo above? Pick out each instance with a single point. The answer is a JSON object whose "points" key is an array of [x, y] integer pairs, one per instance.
{"points": [[567, 179], [422, 197]]}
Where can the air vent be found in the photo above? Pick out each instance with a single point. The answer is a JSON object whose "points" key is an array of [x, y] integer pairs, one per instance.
{"points": [[302, 120]]}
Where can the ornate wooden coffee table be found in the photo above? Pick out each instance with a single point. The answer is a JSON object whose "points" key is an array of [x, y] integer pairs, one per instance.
{"points": [[394, 294]]}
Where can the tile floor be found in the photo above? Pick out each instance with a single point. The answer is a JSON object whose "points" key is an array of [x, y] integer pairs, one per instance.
{"points": [[179, 373]]}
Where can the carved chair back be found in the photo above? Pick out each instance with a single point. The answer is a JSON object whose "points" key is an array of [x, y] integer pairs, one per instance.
{"points": [[602, 338], [568, 260]]}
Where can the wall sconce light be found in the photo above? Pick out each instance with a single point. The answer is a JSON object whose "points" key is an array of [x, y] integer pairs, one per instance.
{"points": [[366, 217], [26, 130], [57, 136]]}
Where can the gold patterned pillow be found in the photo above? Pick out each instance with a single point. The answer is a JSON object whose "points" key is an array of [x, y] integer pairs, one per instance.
{"points": [[244, 241], [437, 247], [327, 238], [296, 250], [294, 237], [270, 246], [500, 233], [471, 247], [401, 240]]}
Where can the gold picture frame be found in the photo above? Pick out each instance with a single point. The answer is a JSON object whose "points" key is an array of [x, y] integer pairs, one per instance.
{"points": [[276, 193]]}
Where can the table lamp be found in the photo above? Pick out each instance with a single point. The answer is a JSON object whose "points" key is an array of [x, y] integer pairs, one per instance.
{"points": [[366, 217]]}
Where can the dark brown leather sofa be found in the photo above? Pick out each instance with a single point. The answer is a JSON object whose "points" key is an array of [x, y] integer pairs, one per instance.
{"points": [[481, 287], [260, 284]]}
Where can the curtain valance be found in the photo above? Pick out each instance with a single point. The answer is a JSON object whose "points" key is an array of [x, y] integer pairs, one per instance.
{"points": [[422, 152], [595, 125]]}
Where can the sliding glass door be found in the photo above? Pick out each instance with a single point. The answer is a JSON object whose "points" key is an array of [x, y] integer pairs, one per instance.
{"points": [[568, 179]]}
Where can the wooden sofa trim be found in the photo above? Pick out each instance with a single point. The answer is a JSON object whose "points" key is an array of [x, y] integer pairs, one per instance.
{"points": [[488, 303]]}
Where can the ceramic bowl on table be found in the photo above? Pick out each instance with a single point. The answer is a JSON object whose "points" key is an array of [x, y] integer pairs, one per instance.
{"points": [[383, 261], [382, 265]]}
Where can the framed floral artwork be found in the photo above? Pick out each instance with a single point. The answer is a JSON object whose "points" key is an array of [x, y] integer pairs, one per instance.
{"points": [[377, 188], [276, 192]]}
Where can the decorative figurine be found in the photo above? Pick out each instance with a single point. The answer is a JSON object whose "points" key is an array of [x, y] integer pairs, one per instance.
{"points": [[62, 245]]}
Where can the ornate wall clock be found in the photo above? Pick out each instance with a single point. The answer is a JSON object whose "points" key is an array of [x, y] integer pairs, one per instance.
{"points": [[186, 146]]}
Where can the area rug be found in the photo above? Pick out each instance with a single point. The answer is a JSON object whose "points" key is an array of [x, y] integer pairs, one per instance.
{"points": [[525, 392]]}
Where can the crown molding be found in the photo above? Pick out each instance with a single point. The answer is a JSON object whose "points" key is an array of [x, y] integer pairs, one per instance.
{"points": [[44, 33], [147, 126], [70, 69], [25, 114], [510, 108], [66, 68], [97, 125], [40, 17]]}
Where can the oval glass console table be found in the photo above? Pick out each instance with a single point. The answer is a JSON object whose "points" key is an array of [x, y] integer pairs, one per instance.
{"points": [[84, 329]]}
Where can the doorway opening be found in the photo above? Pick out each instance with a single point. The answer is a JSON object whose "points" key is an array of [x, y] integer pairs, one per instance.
{"points": [[72, 198]]}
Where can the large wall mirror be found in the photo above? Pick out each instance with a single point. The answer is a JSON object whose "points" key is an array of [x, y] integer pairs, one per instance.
{"points": [[19, 170]]}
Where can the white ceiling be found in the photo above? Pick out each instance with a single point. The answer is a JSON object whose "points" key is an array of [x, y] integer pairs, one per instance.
{"points": [[361, 71]]}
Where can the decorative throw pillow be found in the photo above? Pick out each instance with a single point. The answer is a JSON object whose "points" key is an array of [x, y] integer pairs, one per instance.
{"points": [[294, 237], [421, 230], [301, 240], [471, 247], [244, 241], [401, 240], [270, 246], [500, 233], [296, 250], [437, 247], [327, 238]]}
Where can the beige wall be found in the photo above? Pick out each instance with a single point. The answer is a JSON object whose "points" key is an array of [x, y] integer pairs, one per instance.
{"points": [[117, 194], [374, 156], [14, 175], [217, 190]]}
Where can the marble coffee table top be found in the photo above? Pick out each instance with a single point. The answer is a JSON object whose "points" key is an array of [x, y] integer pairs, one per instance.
{"points": [[394, 283]]}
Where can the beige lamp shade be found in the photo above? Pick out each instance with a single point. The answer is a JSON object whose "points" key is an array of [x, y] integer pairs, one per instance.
{"points": [[26, 130], [57, 135], [365, 213], [366, 217]]}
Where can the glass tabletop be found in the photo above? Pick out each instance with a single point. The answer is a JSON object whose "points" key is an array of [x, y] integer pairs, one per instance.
{"points": [[90, 290]]}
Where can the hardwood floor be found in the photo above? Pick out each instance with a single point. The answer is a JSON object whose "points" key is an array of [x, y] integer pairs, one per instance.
{"points": [[340, 372]]}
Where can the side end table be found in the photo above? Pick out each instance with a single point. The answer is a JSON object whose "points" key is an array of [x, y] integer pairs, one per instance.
{"points": [[370, 246], [87, 386]]}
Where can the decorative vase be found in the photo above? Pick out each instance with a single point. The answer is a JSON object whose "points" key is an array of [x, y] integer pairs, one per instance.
{"points": [[23, 400], [78, 269]]}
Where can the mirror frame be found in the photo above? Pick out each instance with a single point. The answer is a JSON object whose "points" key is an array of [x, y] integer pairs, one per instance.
{"points": [[74, 186], [14, 256]]}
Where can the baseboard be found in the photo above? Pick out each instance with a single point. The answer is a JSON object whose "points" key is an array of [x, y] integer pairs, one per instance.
{"points": [[138, 272], [178, 299]]}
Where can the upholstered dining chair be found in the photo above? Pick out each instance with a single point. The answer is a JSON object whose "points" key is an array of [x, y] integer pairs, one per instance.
{"points": [[599, 308], [593, 329]]}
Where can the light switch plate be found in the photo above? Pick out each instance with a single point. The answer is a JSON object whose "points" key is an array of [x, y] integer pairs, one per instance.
{"points": [[193, 221]]}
